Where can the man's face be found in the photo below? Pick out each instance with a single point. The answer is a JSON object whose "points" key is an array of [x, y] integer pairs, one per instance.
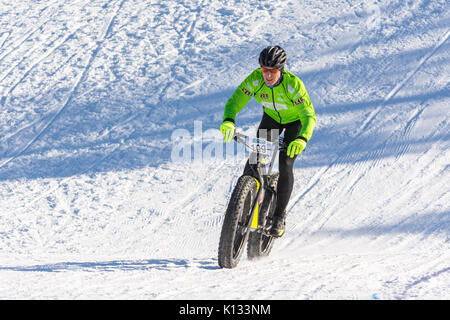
{"points": [[270, 75]]}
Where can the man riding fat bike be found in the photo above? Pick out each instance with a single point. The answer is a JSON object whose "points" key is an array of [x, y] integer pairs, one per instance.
{"points": [[286, 107]]}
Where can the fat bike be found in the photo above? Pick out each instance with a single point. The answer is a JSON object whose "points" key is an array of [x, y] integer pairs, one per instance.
{"points": [[248, 218]]}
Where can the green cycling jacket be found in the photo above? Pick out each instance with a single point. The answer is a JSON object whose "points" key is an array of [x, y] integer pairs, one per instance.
{"points": [[285, 103]]}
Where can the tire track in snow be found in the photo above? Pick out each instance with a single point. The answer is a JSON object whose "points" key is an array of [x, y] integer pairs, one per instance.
{"points": [[146, 113], [401, 84], [28, 34], [398, 140], [427, 278], [28, 54], [43, 118], [402, 149], [73, 91], [3, 38], [14, 66], [414, 183], [160, 94], [191, 27], [34, 65], [208, 219], [420, 274], [346, 151], [117, 126], [354, 175]]}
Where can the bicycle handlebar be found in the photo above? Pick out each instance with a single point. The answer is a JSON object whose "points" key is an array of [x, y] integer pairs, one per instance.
{"points": [[241, 138]]}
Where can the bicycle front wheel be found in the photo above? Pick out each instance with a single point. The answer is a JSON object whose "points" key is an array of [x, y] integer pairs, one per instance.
{"points": [[236, 224], [259, 244]]}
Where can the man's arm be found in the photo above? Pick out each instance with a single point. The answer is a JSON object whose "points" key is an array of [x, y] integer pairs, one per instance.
{"points": [[305, 110], [240, 97]]}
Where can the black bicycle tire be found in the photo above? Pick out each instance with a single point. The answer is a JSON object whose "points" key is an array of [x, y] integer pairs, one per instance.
{"points": [[245, 186]]}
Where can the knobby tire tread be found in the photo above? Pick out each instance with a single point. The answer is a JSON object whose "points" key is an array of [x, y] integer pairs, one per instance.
{"points": [[244, 185]]}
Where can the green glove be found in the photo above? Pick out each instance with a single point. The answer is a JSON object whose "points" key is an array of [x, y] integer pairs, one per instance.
{"points": [[227, 129], [296, 147]]}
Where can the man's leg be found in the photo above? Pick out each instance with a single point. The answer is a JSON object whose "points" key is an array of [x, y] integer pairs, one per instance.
{"points": [[286, 179]]}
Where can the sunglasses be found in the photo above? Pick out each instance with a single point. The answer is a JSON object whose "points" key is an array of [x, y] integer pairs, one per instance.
{"points": [[269, 70]]}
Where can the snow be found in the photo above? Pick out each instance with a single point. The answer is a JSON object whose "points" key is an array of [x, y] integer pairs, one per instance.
{"points": [[96, 95]]}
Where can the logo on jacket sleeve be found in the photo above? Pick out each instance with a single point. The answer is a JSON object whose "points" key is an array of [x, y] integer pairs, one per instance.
{"points": [[299, 101], [246, 91]]}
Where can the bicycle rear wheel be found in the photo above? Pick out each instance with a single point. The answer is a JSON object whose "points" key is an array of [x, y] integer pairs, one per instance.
{"points": [[236, 224]]}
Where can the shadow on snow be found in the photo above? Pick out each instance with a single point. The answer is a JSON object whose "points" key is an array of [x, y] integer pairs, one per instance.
{"points": [[119, 265], [88, 142]]}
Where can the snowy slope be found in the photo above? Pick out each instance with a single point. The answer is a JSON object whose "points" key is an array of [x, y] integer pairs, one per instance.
{"points": [[94, 96]]}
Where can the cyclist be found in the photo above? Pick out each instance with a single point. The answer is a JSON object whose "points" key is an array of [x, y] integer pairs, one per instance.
{"points": [[286, 107]]}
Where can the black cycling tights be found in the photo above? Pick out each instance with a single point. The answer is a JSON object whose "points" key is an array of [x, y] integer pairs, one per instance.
{"points": [[272, 129]]}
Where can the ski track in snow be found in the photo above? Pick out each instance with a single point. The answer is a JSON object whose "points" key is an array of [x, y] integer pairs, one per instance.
{"points": [[92, 206], [107, 30]]}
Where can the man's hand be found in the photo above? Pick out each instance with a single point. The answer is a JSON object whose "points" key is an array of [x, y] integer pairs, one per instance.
{"points": [[227, 129], [296, 147]]}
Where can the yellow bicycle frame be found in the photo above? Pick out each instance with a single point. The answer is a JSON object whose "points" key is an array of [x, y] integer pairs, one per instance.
{"points": [[254, 224]]}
